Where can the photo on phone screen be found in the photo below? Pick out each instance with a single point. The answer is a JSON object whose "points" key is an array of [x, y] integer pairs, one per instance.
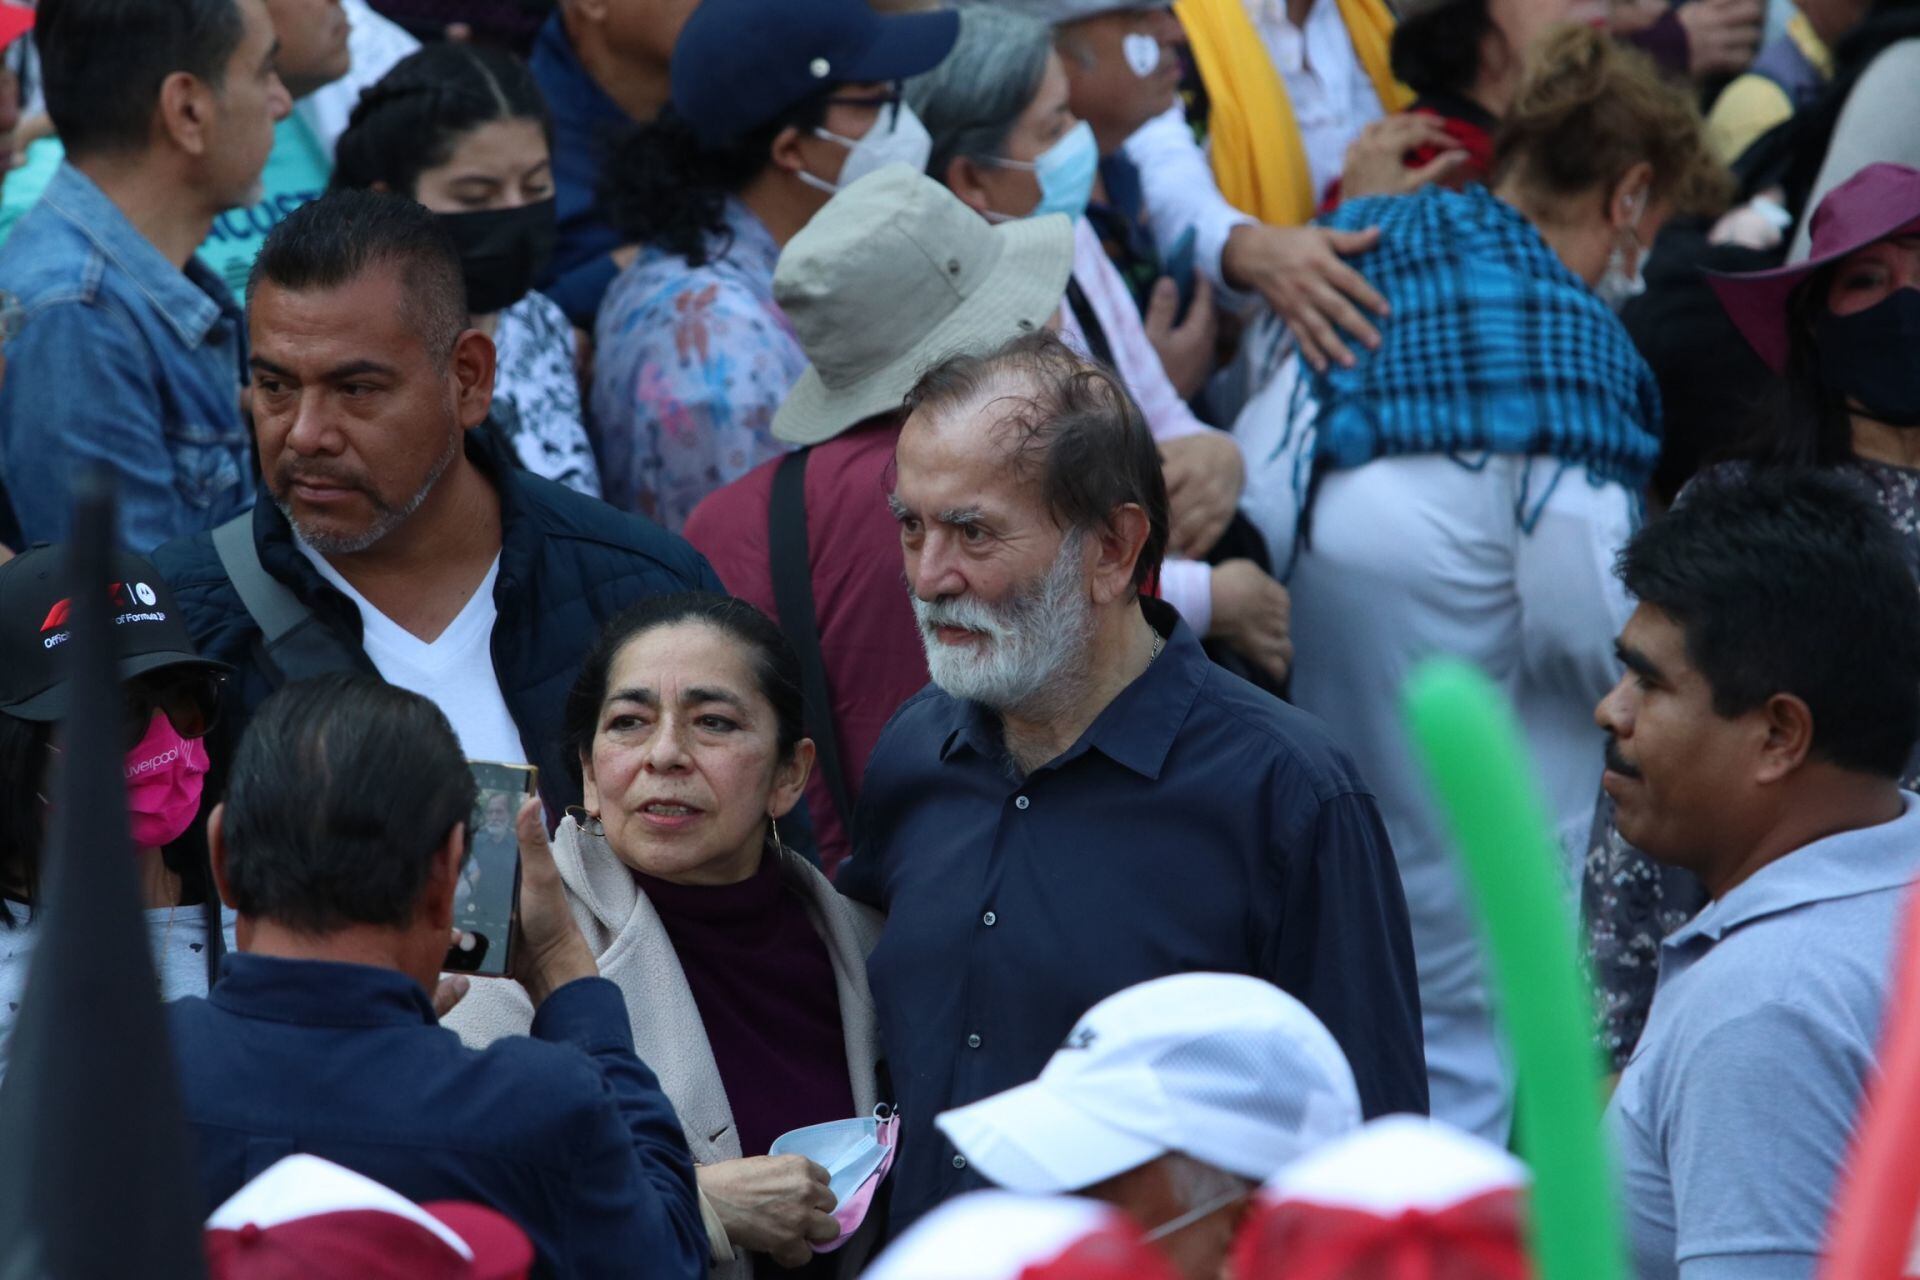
{"points": [[1179, 265], [483, 900]]}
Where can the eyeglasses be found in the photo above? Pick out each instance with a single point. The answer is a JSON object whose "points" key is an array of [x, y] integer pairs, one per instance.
{"points": [[189, 699], [888, 103]]}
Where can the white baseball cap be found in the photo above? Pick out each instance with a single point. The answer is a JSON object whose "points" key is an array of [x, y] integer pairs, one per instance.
{"points": [[995, 1235], [1228, 1069]]}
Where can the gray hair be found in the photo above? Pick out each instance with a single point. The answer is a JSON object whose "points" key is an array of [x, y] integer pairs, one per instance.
{"points": [[972, 100]]}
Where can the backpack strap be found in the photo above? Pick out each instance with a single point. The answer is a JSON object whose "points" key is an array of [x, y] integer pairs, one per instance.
{"points": [[295, 644], [789, 560]]}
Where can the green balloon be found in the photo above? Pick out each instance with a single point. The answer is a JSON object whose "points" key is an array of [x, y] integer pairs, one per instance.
{"points": [[1465, 735]]}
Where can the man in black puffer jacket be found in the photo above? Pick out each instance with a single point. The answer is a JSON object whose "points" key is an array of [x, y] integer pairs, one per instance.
{"points": [[400, 537]]}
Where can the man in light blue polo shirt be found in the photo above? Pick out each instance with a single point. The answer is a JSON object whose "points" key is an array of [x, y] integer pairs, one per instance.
{"points": [[1771, 700]]}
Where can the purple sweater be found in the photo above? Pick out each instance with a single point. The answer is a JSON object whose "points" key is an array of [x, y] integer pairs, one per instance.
{"points": [[763, 983]]}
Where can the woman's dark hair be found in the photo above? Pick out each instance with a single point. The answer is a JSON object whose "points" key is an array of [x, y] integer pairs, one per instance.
{"points": [[23, 828], [1809, 426], [1438, 51], [414, 117], [667, 189], [774, 664]]}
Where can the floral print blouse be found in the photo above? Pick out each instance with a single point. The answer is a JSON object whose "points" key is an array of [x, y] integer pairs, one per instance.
{"points": [[690, 364], [1631, 902], [536, 394]]}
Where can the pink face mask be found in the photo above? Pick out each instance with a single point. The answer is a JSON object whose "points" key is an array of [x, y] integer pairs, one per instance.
{"points": [[164, 774], [857, 1155]]}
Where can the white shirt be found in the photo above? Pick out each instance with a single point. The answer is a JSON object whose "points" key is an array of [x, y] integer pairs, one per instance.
{"points": [[1187, 585], [177, 937], [454, 672], [1332, 96], [1417, 555], [1332, 99]]}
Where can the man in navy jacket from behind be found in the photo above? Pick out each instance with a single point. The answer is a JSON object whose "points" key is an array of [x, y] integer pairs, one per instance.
{"points": [[340, 845]]}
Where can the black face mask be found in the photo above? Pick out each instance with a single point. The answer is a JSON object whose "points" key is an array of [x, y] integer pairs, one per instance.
{"points": [[1873, 357], [502, 252]]}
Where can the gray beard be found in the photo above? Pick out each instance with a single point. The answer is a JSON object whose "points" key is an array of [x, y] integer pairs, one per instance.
{"points": [[1033, 664]]}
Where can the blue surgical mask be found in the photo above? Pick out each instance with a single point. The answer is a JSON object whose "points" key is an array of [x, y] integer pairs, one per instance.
{"points": [[857, 1155], [1066, 171]]}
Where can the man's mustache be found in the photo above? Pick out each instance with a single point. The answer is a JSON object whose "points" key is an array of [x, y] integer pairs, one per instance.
{"points": [[1617, 762]]}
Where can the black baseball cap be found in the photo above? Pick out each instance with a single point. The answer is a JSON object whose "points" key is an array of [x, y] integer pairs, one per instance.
{"points": [[34, 608], [740, 63]]}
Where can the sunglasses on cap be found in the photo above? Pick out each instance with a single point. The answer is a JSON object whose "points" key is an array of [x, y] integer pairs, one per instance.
{"points": [[190, 700]]}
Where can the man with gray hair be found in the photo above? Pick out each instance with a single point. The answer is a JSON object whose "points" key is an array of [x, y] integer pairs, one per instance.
{"points": [[1173, 1101], [1081, 800]]}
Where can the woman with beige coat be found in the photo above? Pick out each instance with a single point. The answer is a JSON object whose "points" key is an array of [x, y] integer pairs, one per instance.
{"points": [[744, 971]]}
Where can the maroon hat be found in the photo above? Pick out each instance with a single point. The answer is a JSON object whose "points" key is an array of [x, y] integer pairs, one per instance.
{"points": [[310, 1218], [1880, 201]]}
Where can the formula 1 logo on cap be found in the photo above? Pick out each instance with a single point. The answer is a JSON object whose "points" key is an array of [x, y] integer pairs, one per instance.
{"points": [[116, 592], [128, 597]]}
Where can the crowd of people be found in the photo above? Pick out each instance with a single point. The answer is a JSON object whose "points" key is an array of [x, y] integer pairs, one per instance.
{"points": [[944, 501]]}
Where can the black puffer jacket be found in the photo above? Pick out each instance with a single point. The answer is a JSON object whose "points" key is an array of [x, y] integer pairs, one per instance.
{"points": [[567, 564]]}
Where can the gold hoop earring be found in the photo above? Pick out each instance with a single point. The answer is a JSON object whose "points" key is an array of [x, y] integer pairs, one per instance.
{"points": [[587, 822]]}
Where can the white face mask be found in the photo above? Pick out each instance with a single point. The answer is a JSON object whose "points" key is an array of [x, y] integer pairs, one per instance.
{"points": [[1617, 286], [897, 137]]}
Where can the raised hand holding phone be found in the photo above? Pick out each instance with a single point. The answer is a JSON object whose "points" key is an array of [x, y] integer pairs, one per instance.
{"points": [[489, 876], [549, 951]]}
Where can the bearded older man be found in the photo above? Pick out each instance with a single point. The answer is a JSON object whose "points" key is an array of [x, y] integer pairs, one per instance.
{"points": [[1081, 801]]}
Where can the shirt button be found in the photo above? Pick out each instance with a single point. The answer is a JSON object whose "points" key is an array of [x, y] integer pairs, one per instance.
{"points": [[959, 1162], [989, 919], [973, 1041], [1021, 802]]}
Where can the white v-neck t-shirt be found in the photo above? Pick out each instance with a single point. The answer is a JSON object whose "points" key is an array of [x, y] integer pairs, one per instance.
{"points": [[455, 671]]}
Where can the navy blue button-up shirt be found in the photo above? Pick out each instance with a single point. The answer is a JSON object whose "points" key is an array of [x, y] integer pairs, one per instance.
{"points": [[565, 1131], [586, 125], [1198, 824]]}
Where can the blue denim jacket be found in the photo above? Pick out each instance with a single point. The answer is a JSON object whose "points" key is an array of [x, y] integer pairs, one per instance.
{"points": [[123, 359]]}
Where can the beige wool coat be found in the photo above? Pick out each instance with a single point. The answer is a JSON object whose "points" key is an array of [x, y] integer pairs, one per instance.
{"points": [[634, 952]]}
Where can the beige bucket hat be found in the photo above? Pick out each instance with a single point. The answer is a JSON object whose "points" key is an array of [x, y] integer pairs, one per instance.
{"points": [[893, 276]]}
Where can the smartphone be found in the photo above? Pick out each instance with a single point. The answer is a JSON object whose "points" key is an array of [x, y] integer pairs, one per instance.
{"points": [[1179, 266], [487, 895]]}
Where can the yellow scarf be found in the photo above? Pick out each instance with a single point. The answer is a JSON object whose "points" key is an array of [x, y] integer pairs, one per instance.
{"points": [[1257, 155]]}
